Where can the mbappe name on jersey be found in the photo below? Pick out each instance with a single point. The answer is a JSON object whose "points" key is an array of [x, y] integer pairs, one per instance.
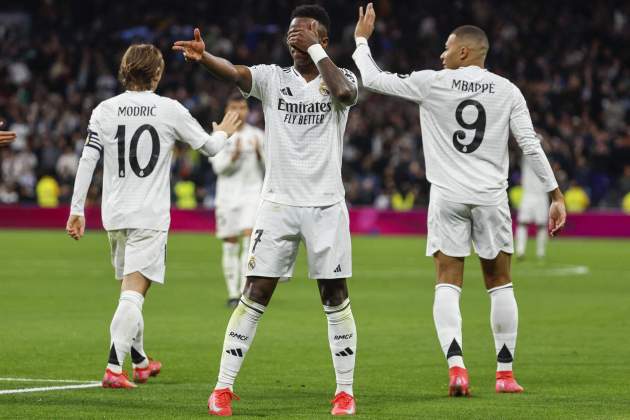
{"points": [[304, 113], [465, 86]]}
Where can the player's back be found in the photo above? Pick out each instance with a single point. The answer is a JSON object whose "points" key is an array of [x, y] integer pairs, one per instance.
{"points": [[137, 131], [240, 182], [465, 120]]}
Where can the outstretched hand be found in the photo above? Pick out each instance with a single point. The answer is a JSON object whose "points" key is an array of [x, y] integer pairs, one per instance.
{"points": [[231, 122], [192, 50], [365, 24]]}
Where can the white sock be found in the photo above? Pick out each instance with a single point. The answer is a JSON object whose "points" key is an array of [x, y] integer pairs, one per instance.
{"points": [[124, 328], [139, 358], [244, 261], [231, 269], [448, 322], [521, 239], [541, 241], [504, 321], [238, 338], [342, 337]]}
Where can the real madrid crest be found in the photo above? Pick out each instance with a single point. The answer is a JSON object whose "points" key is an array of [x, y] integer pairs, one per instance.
{"points": [[323, 89], [252, 263]]}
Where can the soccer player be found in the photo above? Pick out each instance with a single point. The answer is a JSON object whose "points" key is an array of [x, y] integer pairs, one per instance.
{"points": [[6, 137], [135, 133], [306, 109], [239, 168], [534, 209], [466, 112]]}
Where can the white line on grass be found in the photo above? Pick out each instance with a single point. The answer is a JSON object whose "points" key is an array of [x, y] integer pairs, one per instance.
{"points": [[50, 388], [45, 380]]}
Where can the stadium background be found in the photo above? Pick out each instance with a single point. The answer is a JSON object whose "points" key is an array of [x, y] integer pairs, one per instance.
{"points": [[59, 59]]}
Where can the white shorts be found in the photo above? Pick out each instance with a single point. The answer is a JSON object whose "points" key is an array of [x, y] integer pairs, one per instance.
{"points": [[452, 226], [534, 209], [232, 221], [280, 228], [141, 250]]}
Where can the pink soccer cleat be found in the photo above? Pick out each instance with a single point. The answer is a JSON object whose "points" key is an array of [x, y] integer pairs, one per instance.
{"points": [[506, 383], [343, 405], [116, 380], [220, 402], [141, 375], [458, 382]]}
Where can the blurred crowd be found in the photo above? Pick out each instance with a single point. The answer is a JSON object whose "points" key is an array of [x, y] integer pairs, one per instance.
{"points": [[59, 59]]}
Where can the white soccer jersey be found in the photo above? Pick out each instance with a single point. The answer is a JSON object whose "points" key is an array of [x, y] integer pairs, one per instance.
{"points": [[239, 182], [135, 132], [465, 115], [304, 129]]}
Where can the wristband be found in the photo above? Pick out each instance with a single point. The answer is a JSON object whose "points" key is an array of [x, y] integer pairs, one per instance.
{"points": [[360, 41], [316, 51]]}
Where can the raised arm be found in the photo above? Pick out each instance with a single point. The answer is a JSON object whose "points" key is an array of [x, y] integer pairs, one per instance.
{"points": [[222, 69], [533, 153], [338, 82], [415, 86]]}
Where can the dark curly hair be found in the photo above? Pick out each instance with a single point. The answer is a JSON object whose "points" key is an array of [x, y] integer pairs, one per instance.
{"points": [[313, 11]]}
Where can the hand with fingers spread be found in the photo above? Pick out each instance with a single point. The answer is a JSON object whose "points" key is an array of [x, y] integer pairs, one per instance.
{"points": [[365, 24], [557, 212], [75, 227], [303, 38], [6, 137], [192, 50], [231, 122]]}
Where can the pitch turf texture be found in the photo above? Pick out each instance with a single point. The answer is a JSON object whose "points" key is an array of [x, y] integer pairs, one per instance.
{"points": [[57, 298]]}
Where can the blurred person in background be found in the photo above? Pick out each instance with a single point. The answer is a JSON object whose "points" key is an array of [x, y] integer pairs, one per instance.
{"points": [[533, 209], [240, 172], [47, 191], [576, 198]]}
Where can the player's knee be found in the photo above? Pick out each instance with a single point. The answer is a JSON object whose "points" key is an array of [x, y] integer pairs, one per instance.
{"points": [[497, 279], [333, 291], [260, 289]]}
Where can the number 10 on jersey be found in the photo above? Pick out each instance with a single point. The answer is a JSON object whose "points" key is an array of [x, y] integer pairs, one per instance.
{"points": [[133, 151]]}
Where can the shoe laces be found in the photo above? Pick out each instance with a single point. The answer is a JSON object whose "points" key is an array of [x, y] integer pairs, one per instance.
{"points": [[224, 396], [343, 398]]}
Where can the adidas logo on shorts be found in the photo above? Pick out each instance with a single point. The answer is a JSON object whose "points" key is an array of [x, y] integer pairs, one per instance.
{"points": [[338, 269]]}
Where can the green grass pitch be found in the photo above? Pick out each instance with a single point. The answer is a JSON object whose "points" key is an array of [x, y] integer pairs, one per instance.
{"points": [[57, 298]]}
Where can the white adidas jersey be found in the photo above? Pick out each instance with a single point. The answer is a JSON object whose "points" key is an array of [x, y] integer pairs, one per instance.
{"points": [[136, 132], [465, 116], [239, 182], [304, 128]]}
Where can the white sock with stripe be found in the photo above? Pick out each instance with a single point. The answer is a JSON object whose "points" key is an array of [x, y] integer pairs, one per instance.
{"points": [[139, 358], [448, 322], [231, 272], [238, 338], [244, 262], [342, 337], [504, 321], [124, 328]]}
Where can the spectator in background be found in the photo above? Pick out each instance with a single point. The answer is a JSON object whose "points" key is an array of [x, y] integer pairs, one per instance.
{"points": [[576, 198], [47, 192]]}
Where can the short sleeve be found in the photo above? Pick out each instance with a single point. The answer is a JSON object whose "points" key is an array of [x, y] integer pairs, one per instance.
{"points": [[262, 75], [187, 128]]}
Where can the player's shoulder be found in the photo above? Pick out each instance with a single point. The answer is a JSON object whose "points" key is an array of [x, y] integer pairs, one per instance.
{"points": [[349, 74]]}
